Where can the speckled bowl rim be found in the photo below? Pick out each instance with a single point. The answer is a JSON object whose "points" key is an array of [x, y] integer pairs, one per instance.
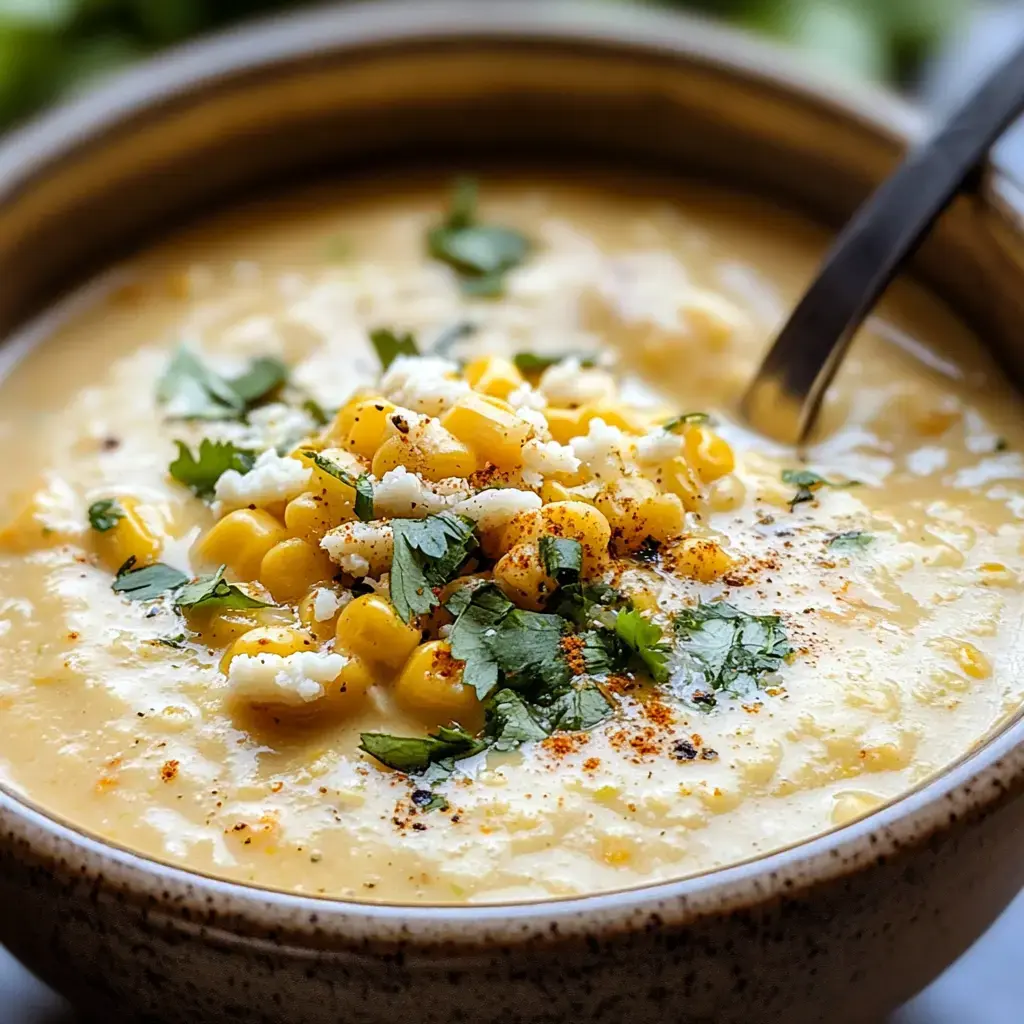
{"points": [[991, 774]]}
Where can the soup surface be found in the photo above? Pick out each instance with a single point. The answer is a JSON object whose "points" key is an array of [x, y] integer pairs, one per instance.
{"points": [[527, 614]]}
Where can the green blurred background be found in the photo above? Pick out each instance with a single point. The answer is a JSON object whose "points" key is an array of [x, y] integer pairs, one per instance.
{"points": [[50, 47]]}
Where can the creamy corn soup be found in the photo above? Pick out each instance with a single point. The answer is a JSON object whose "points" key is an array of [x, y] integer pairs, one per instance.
{"points": [[400, 544]]}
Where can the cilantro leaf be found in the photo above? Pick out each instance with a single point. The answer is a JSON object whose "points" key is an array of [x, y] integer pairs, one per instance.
{"points": [[579, 709], [727, 649], [104, 515], [562, 558], [147, 582], [389, 345], [644, 639], [583, 603], [427, 800], [317, 413], [528, 650], [538, 362], [510, 722], [604, 653], [428, 553], [852, 540], [806, 483], [213, 459], [196, 392], [481, 254], [413, 755], [687, 419], [362, 485], [481, 613], [262, 377], [206, 591], [443, 343]]}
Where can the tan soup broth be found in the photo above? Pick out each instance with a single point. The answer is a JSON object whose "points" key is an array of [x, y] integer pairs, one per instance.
{"points": [[903, 640]]}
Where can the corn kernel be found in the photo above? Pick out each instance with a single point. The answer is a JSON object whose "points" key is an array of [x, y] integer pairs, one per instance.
{"points": [[283, 640], [352, 684], [328, 486], [635, 511], [222, 627], [707, 453], [371, 629], [345, 417], [240, 540], [565, 424], [614, 415], [496, 434], [552, 490], [28, 531], [973, 662], [322, 629], [369, 427], [679, 478], [575, 520], [430, 687], [435, 457], [132, 535], [851, 804], [493, 375], [290, 568], [520, 574], [698, 559], [310, 516]]}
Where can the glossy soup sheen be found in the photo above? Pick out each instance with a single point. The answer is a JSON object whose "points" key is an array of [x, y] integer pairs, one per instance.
{"points": [[902, 630]]}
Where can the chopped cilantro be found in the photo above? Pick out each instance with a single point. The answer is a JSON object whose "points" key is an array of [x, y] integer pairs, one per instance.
{"points": [[427, 800], [562, 558], [177, 642], [428, 553], [362, 485], [443, 343], [413, 755], [317, 413], [510, 722], [147, 582], [213, 459], [478, 613], [389, 345], [579, 709], [687, 419], [538, 362], [644, 639], [583, 603], [481, 254], [852, 540], [724, 648], [199, 393], [104, 515], [807, 483], [207, 591]]}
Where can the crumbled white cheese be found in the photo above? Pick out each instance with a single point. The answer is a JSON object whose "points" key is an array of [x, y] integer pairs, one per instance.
{"points": [[272, 479], [658, 445], [601, 449], [537, 420], [270, 426], [526, 397], [491, 510], [293, 679], [567, 383], [361, 549], [408, 496], [401, 421], [545, 458], [327, 603], [423, 383]]}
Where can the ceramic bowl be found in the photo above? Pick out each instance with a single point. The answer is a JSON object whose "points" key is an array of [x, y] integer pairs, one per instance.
{"points": [[843, 927]]}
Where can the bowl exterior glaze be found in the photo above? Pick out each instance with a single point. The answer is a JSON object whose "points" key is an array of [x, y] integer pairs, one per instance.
{"points": [[842, 928]]}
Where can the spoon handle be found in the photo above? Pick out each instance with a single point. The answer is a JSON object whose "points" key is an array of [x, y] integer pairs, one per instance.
{"points": [[784, 399]]}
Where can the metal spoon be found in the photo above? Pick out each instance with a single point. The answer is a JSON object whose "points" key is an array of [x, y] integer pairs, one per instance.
{"points": [[786, 393]]}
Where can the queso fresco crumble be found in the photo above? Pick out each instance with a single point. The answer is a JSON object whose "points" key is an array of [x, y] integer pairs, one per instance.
{"points": [[438, 568]]}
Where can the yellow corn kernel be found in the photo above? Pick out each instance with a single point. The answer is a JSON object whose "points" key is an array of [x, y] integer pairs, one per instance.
{"points": [[565, 424], [322, 629], [635, 510], [851, 804], [614, 415], [369, 427], [290, 568], [490, 428], [28, 530], [345, 417], [133, 535], [520, 574], [678, 478], [575, 520], [707, 453], [240, 540], [430, 687], [435, 456], [493, 375], [351, 686], [552, 490], [220, 628], [699, 559], [973, 662], [370, 628], [328, 486], [727, 493], [283, 640], [310, 516]]}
